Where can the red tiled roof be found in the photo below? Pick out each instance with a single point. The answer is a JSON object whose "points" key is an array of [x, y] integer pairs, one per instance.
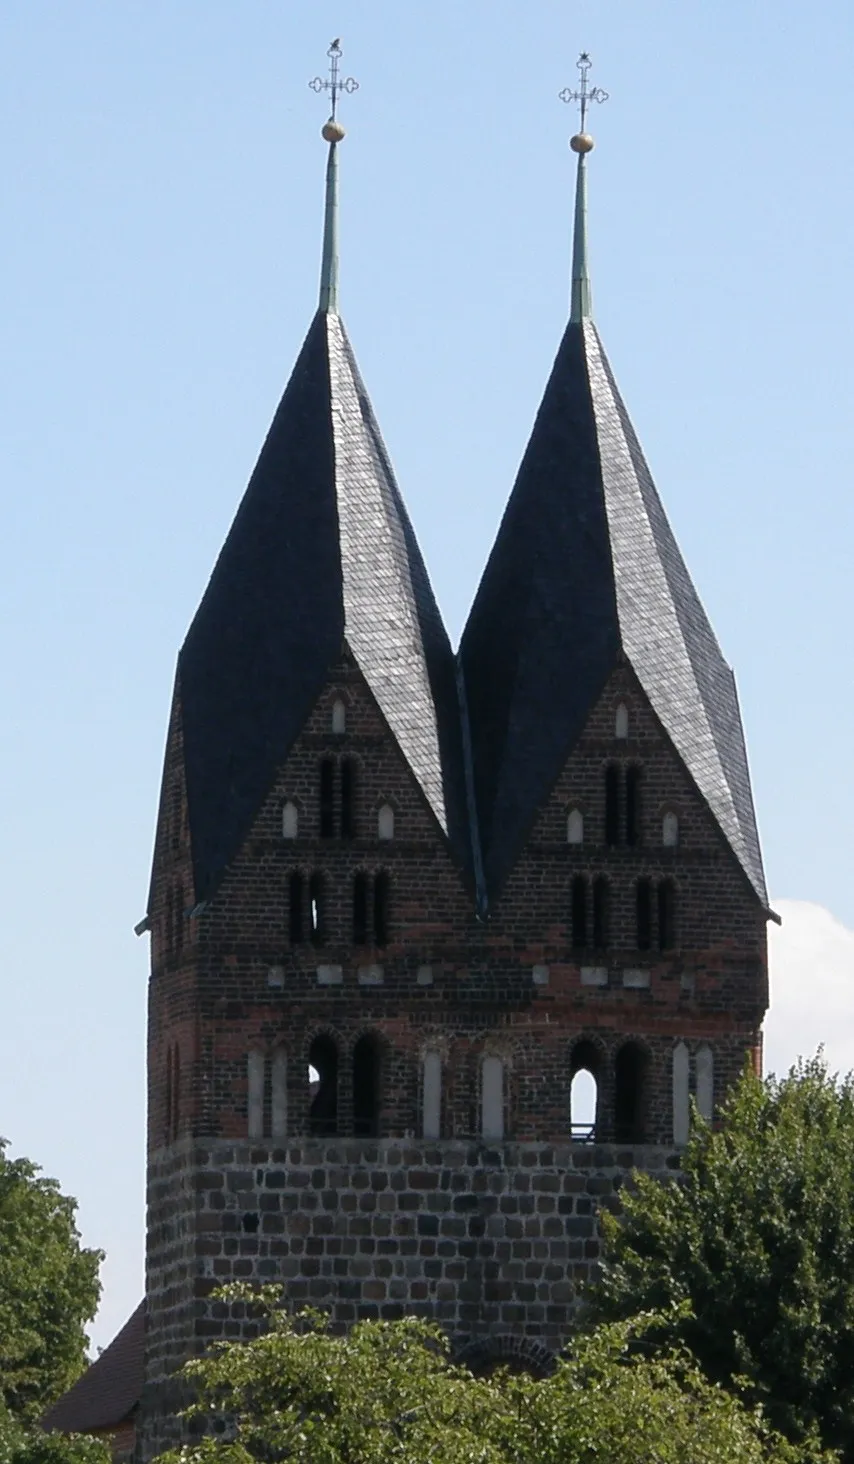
{"points": [[109, 1389]]}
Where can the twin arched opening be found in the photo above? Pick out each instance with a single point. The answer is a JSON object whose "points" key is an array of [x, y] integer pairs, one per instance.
{"points": [[630, 1094], [325, 1107]]}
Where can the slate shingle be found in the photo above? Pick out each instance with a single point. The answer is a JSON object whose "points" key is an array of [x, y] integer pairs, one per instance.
{"points": [[585, 564]]}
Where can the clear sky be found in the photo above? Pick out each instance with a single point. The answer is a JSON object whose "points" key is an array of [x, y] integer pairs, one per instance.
{"points": [[162, 173]]}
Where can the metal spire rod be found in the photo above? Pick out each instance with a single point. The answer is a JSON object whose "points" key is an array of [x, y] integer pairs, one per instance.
{"points": [[582, 143]]}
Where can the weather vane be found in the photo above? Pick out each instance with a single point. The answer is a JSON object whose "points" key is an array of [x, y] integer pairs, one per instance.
{"points": [[585, 94], [335, 84]]}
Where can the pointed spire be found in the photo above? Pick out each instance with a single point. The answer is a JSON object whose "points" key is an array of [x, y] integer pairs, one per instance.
{"points": [[333, 133], [582, 143]]}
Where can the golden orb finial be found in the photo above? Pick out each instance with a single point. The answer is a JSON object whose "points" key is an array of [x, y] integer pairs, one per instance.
{"points": [[582, 142], [332, 131]]}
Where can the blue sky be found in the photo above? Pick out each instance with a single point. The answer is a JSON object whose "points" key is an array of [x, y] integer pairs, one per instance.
{"points": [[162, 171]]}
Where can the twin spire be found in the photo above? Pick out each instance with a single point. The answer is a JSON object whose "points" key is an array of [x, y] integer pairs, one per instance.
{"points": [[333, 133]]}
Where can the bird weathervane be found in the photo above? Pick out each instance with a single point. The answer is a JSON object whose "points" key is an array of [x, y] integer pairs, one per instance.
{"points": [[584, 95], [335, 84]]}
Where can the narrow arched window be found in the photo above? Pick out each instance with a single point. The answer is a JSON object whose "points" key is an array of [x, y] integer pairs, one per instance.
{"points": [[670, 831], [323, 1086], [621, 721], [348, 798], [630, 1096], [256, 1072], [279, 1095], [666, 915], [382, 903], [178, 940], [290, 820], [705, 1068], [360, 909], [431, 1096], [492, 1098], [317, 909], [385, 822], [634, 778], [681, 1095], [366, 1087], [295, 908], [578, 913], [601, 913], [583, 1092], [175, 815], [612, 805], [327, 798], [643, 912], [575, 827], [339, 717]]}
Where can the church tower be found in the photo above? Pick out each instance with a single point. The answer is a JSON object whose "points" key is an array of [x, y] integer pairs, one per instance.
{"points": [[400, 900]]}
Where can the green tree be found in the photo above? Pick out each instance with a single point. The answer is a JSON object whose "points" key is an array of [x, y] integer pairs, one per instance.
{"points": [[388, 1393], [751, 1254], [20, 1444], [49, 1289]]}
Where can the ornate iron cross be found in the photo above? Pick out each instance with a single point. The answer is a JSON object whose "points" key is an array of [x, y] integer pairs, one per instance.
{"points": [[335, 84], [585, 94]]}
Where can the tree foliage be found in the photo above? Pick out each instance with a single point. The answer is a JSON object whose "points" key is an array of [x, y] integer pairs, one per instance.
{"points": [[751, 1256], [22, 1444], [49, 1289], [388, 1393]]}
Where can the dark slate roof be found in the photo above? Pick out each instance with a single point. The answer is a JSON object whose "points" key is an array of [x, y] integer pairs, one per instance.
{"points": [[111, 1387], [321, 552], [585, 566]]}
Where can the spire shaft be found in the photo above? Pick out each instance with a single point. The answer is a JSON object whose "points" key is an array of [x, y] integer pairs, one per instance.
{"points": [[581, 307], [329, 262]]}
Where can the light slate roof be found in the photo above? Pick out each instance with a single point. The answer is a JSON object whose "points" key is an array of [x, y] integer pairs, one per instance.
{"points": [[585, 566], [321, 553]]}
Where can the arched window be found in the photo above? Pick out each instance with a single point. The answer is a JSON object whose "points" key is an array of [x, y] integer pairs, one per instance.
{"points": [[323, 1088], [256, 1069], [583, 1092], [385, 822], [643, 909], [578, 913], [666, 915], [366, 1087], [348, 798], [612, 805], [601, 913], [295, 908], [575, 827], [621, 721], [670, 831], [317, 909], [360, 908], [382, 903], [290, 820], [431, 1096], [327, 798], [175, 815], [178, 938], [492, 1098], [681, 1100], [279, 1095], [339, 717], [634, 778], [705, 1065], [630, 1095]]}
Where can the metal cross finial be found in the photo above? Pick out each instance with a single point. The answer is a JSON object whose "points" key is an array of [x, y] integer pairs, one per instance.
{"points": [[335, 85], [585, 94]]}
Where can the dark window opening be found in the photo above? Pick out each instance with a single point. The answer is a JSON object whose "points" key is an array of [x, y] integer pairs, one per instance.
{"points": [[366, 1087], [630, 1094], [327, 798], [360, 909], [175, 816], [348, 798], [323, 1089], [178, 940], [295, 908], [579, 912], [666, 915], [584, 1092], [601, 912], [643, 907], [633, 806], [612, 805], [317, 912], [382, 889]]}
